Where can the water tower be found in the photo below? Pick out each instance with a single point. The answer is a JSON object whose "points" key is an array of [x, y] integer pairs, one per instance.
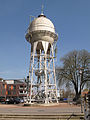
{"points": [[42, 37]]}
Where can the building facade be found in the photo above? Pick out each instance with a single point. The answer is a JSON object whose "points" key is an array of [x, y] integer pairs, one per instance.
{"points": [[3, 87], [13, 88]]}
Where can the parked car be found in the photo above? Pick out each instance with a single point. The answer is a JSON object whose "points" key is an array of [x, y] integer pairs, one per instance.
{"points": [[17, 100], [13, 101], [21, 101], [7, 100], [2, 99]]}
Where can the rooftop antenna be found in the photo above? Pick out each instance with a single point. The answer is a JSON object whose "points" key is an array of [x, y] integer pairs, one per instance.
{"points": [[42, 9]]}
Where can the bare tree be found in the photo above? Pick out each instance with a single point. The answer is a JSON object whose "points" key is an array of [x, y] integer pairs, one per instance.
{"points": [[75, 71], [1, 78]]}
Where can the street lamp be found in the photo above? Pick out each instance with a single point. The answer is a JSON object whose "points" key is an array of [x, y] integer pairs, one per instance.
{"points": [[81, 89]]}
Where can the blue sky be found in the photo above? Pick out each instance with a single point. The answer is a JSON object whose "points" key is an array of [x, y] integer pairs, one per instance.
{"points": [[70, 17]]}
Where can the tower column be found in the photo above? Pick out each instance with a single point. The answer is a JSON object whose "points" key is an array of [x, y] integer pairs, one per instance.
{"points": [[32, 59], [54, 72], [46, 92]]}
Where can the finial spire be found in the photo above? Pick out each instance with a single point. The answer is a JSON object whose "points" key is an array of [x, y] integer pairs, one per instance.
{"points": [[42, 14], [42, 10]]}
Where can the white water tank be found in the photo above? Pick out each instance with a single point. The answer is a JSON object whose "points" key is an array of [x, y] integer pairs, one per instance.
{"points": [[41, 29]]}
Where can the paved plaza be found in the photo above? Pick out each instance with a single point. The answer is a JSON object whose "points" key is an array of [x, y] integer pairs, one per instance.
{"points": [[62, 108]]}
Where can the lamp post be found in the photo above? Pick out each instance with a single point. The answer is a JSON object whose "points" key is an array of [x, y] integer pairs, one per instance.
{"points": [[81, 90], [88, 110]]}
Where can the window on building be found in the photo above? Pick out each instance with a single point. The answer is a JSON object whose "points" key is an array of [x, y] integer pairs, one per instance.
{"points": [[9, 92], [25, 87], [9, 87], [14, 87], [25, 92], [14, 92], [3, 85], [21, 92], [3, 92], [21, 87]]}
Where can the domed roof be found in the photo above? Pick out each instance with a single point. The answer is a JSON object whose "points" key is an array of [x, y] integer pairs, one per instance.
{"points": [[41, 23]]}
